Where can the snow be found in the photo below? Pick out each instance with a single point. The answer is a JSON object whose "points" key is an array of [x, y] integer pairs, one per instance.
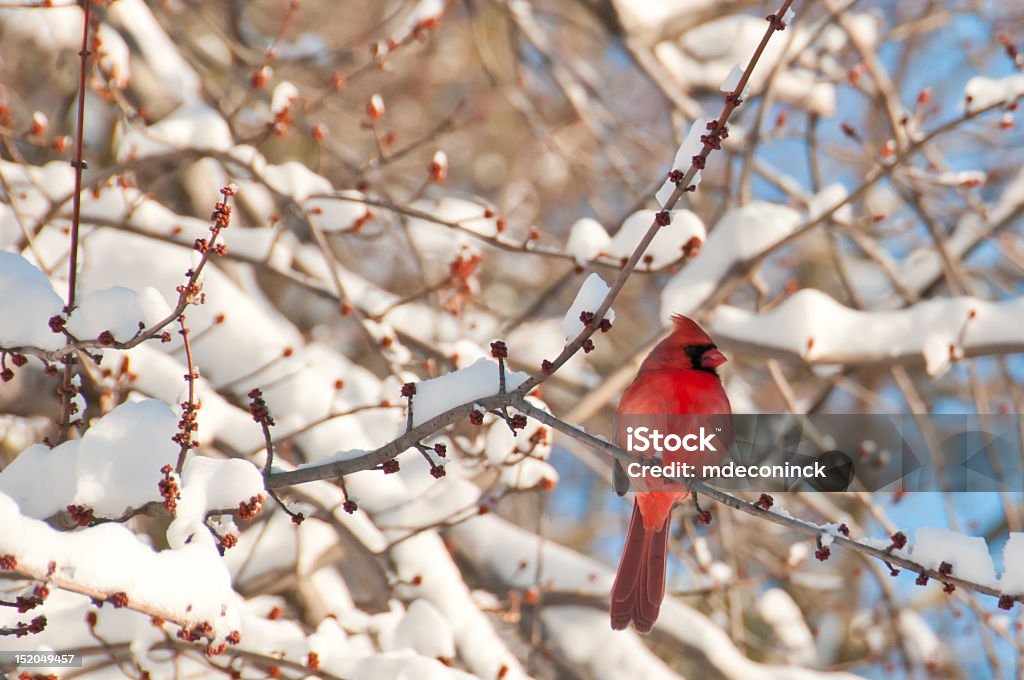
{"points": [[259, 633], [703, 56], [211, 484], [284, 96], [424, 630], [134, 261], [881, 200], [404, 665], [646, 15], [336, 213], [502, 447], [262, 549], [41, 480], [480, 379], [596, 651], [865, 26], [188, 585], [192, 126], [295, 180], [439, 244], [27, 301], [813, 325], [537, 340], [376, 106], [426, 557], [923, 265], [510, 554], [968, 555], [467, 214], [923, 646], [423, 12], [62, 605], [120, 456], [720, 573], [962, 178], [114, 467], [798, 553], [52, 181], [690, 147], [529, 473], [590, 296], [740, 234], [702, 552], [172, 73], [587, 239], [1012, 580], [117, 309], [78, 403], [59, 28], [114, 56], [982, 92], [732, 80], [159, 375], [1000, 623], [313, 543], [668, 243], [439, 166], [779, 611], [827, 199], [40, 122]]}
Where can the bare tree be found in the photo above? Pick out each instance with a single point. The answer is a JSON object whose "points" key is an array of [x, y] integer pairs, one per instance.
{"points": [[289, 385]]}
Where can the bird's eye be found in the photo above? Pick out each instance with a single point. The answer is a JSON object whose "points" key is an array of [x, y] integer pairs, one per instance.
{"points": [[695, 352]]}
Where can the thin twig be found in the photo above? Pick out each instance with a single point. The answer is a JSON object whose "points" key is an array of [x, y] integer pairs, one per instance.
{"points": [[67, 390], [261, 414], [888, 555], [188, 424]]}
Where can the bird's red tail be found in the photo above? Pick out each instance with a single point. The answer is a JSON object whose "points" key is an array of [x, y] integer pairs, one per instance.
{"points": [[639, 584]]}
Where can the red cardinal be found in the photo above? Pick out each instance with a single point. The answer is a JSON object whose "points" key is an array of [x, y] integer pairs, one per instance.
{"points": [[677, 378]]}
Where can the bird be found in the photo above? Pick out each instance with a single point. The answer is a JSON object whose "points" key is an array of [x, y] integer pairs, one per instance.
{"points": [[677, 389]]}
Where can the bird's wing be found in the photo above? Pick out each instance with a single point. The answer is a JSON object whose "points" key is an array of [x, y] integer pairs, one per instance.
{"points": [[662, 400], [620, 480], [650, 393]]}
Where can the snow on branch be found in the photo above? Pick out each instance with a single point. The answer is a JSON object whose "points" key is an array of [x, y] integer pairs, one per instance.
{"points": [[108, 562], [113, 470], [579, 314], [116, 305], [438, 395], [741, 235], [811, 326], [514, 556], [120, 467]]}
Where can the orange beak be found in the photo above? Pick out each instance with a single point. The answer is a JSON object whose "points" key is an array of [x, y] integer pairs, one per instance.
{"points": [[712, 359]]}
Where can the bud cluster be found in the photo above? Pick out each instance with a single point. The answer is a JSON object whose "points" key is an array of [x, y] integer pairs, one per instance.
{"points": [[258, 408]]}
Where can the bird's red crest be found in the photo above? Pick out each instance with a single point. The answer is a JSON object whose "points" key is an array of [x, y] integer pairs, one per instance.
{"points": [[687, 329]]}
